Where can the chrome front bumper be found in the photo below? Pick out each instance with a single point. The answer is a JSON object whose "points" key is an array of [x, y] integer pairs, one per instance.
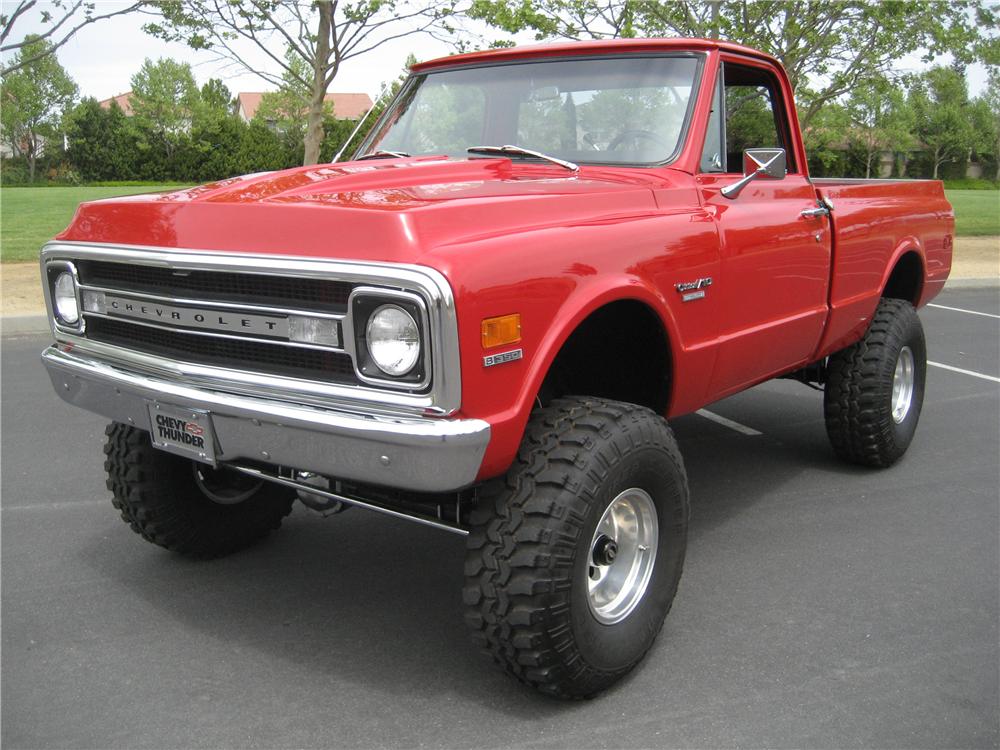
{"points": [[413, 453]]}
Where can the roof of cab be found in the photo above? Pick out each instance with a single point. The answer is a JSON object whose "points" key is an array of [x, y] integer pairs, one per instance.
{"points": [[588, 47]]}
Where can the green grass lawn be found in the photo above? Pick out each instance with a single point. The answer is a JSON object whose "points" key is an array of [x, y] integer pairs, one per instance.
{"points": [[977, 212], [30, 217]]}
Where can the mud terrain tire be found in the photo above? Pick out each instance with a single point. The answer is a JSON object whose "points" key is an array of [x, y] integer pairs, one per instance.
{"points": [[159, 497], [875, 388], [531, 551]]}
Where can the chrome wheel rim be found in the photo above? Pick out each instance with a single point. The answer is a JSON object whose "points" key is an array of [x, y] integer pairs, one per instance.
{"points": [[902, 385], [622, 554]]}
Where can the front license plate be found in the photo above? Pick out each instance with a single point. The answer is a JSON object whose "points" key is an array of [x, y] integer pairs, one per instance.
{"points": [[186, 432]]}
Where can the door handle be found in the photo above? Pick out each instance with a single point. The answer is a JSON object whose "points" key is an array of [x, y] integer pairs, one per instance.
{"points": [[812, 213]]}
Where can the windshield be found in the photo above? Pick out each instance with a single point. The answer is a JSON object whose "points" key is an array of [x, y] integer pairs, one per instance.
{"points": [[625, 110]]}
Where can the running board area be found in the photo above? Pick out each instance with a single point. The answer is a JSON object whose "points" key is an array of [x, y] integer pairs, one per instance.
{"points": [[425, 520]]}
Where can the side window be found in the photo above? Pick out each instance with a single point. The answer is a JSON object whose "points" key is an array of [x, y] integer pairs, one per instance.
{"points": [[754, 115], [713, 155]]}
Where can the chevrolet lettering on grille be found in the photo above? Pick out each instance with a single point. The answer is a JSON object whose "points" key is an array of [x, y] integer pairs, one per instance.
{"points": [[192, 317]]}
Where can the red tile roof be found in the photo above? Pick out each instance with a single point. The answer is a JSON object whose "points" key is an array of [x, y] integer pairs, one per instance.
{"points": [[345, 106], [124, 101]]}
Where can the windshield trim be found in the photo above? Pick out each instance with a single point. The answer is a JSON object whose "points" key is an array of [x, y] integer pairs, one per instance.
{"points": [[700, 57]]}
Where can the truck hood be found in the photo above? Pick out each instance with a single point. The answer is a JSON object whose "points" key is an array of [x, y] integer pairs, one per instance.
{"points": [[398, 210]]}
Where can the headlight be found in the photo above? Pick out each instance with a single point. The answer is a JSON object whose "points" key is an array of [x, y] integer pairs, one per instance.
{"points": [[393, 340], [64, 299]]}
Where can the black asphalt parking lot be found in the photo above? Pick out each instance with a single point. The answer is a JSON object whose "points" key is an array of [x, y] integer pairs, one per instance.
{"points": [[822, 605]]}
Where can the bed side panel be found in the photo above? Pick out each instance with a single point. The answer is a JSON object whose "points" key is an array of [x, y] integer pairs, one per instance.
{"points": [[875, 222]]}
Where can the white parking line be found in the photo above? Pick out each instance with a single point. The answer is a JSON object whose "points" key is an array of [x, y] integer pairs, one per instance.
{"points": [[959, 309], [741, 428], [964, 372], [55, 505]]}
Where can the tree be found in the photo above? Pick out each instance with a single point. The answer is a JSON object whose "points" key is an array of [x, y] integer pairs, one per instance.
{"points": [[259, 150], [342, 142], [824, 141], [835, 46], [880, 120], [288, 107], [216, 99], [63, 18], [322, 35], [101, 141], [986, 120], [165, 99], [33, 99], [940, 105]]}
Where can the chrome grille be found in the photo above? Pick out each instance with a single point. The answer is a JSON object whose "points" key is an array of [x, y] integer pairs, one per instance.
{"points": [[314, 294], [173, 297], [206, 350]]}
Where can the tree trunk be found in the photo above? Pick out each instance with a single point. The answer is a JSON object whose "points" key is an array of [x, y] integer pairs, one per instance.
{"points": [[937, 162], [314, 123], [31, 166]]}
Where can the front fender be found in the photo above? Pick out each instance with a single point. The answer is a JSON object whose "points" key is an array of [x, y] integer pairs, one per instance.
{"points": [[555, 278], [508, 424]]}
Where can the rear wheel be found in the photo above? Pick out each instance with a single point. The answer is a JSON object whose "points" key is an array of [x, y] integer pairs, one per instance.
{"points": [[875, 388], [575, 556], [184, 505]]}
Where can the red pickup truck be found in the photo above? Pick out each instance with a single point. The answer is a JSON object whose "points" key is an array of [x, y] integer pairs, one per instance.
{"points": [[483, 321]]}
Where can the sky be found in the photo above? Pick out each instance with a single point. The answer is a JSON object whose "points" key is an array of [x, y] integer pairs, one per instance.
{"points": [[102, 57]]}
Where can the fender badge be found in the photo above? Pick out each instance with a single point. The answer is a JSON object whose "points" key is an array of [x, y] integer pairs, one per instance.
{"points": [[687, 286], [692, 290], [499, 359]]}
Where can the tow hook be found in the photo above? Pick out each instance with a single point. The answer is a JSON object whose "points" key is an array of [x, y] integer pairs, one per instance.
{"points": [[325, 506]]}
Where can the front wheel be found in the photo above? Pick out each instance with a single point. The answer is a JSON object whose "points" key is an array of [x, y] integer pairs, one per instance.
{"points": [[875, 388], [186, 506], [575, 556]]}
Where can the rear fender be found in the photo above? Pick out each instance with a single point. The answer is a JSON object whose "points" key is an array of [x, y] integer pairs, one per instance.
{"points": [[905, 245]]}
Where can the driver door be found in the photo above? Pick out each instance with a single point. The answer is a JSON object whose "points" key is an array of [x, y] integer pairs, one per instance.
{"points": [[774, 260]]}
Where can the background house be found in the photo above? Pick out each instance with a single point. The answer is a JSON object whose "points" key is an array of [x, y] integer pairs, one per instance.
{"points": [[345, 106], [124, 101]]}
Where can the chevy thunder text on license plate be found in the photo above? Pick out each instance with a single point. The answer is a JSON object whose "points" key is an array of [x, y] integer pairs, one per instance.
{"points": [[183, 431]]}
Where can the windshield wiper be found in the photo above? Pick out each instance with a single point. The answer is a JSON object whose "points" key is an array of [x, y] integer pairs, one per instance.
{"points": [[383, 155], [519, 151]]}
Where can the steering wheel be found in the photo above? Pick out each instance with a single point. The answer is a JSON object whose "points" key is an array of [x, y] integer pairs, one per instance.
{"points": [[634, 135]]}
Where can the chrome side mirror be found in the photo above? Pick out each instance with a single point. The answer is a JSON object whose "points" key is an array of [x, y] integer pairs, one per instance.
{"points": [[758, 162]]}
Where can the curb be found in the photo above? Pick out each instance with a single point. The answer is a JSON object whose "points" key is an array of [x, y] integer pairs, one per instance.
{"points": [[985, 282], [24, 325]]}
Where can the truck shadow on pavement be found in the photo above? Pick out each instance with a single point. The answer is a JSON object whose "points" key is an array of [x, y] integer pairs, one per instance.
{"points": [[370, 604]]}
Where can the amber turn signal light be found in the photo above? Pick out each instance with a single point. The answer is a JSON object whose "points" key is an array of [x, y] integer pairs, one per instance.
{"points": [[505, 329]]}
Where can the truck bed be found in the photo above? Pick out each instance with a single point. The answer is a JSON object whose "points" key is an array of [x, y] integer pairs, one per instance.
{"points": [[876, 223]]}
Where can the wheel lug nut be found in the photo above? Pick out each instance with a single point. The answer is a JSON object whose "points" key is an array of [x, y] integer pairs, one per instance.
{"points": [[605, 550]]}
